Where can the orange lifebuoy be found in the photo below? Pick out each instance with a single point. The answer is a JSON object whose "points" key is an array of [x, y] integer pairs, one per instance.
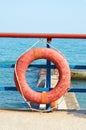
{"points": [[42, 53]]}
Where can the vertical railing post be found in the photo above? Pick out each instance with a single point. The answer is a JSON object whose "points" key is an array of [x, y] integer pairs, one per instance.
{"points": [[48, 72]]}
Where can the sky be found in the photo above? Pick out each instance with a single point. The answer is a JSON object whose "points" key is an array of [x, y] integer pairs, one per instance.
{"points": [[43, 16]]}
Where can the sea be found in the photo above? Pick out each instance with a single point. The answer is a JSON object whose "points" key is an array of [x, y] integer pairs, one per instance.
{"points": [[74, 51]]}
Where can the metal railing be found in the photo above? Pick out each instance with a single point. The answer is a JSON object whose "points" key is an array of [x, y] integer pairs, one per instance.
{"points": [[48, 65]]}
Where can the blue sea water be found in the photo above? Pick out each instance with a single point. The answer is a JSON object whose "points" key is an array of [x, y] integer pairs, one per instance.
{"points": [[10, 49]]}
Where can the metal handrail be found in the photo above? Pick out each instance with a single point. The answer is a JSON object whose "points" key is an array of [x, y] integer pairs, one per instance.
{"points": [[42, 35]]}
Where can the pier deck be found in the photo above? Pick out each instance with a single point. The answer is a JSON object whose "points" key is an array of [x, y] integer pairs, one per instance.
{"points": [[24, 120]]}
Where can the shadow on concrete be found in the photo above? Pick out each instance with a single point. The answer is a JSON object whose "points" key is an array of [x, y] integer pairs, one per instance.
{"points": [[79, 113]]}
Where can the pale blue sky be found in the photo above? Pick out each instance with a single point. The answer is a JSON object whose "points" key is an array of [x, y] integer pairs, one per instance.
{"points": [[43, 16]]}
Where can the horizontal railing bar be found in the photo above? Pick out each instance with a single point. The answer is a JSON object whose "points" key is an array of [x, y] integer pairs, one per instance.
{"points": [[42, 66], [78, 66], [42, 35], [12, 88], [5, 65], [8, 88], [53, 66], [15, 89], [77, 90]]}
